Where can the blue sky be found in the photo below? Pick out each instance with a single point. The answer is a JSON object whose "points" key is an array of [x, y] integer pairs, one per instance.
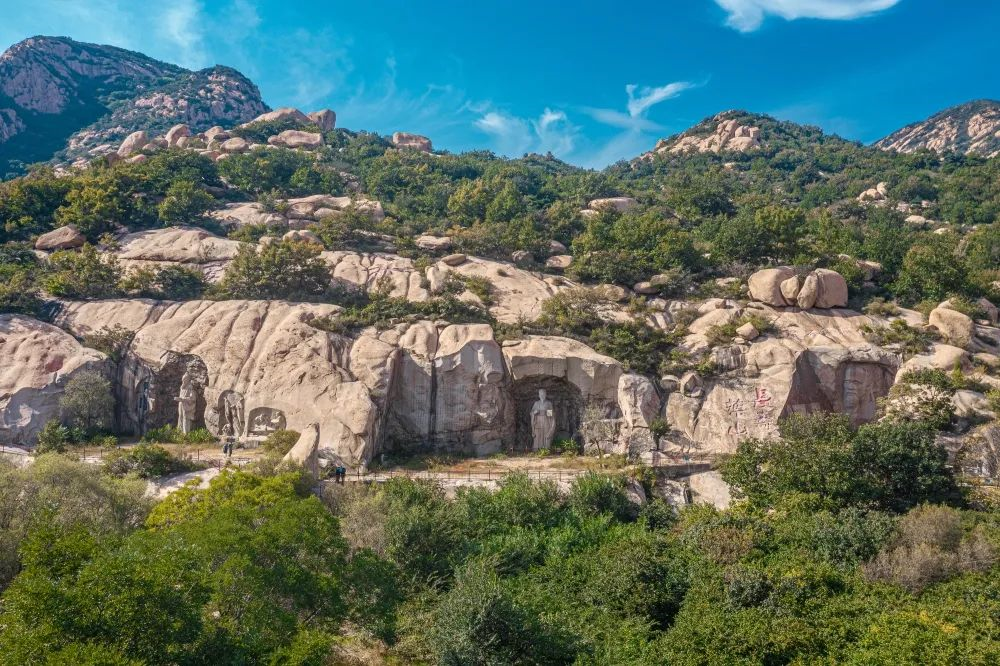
{"points": [[593, 82]]}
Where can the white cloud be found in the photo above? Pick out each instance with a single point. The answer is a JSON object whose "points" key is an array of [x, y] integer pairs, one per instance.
{"points": [[648, 97], [182, 26], [556, 134], [747, 15], [640, 101]]}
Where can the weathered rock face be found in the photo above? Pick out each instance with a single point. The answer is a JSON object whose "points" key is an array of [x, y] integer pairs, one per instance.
{"points": [[297, 139], [728, 135], [768, 285], [973, 127], [260, 366], [63, 238], [133, 143], [414, 141], [620, 204], [955, 327], [178, 245], [325, 119], [284, 113], [37, 361], [816, 361], [781, 287]]}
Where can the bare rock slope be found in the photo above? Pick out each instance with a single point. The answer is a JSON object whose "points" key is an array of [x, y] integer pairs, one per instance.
{"points": [[973, 127]]}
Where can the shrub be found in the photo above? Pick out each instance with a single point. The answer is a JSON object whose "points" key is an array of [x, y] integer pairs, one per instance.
{"points": [[285, 270], [82, 274], [598, 493], [111, 341], [177, 283], [910, 340], [280, 442], [185, 203], [890, 465], [724, 333], [147, 461], [54, 438], [930, 547], [879, 307]]}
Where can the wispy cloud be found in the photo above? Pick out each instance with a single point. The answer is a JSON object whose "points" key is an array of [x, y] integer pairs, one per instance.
{"points": [[640, 101], [182, 25], [551, 132], [647, 97], [748, 15]]}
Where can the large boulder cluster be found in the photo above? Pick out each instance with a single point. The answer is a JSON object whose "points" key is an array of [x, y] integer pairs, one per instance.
{"points": [[783, 287], [216, 142]]}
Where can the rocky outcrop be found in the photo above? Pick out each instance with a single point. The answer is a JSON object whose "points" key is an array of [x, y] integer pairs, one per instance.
{"points": [[299, 212], [63, 238], [325, 119], [412, 141], [199, 100], [259, 366], [619, 204], [192, 246], [305, 452], [38, 360], [815, 361], [955, 327], [727, 135], [296, 139], [284, 113], [973, 127], [781, 287]]}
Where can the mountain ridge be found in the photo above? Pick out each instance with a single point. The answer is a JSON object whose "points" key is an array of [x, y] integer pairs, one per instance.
{"points": [[970, 127], [54, 89]]}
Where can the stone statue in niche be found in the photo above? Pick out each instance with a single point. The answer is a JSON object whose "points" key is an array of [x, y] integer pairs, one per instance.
{"points": [[186, 402], [264, 421], [543, 422], [231, 412]]}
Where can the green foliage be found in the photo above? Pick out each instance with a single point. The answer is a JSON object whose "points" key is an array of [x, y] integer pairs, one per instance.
{"points": [[286, 270], [53, 438], [82, 274], [184, 203], [110, 340], [280, 442], [626, 248], [931, 270], [909, 340], [233, 573], [57, 491], [279, 170], [890, 465], [87, 403], [147, 461], [172, 282]]}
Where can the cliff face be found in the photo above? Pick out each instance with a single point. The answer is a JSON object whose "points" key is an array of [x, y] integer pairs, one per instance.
{"points": [[972, 128], [54, 90]]}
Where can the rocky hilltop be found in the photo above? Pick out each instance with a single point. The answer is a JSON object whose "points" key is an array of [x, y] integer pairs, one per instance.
{"points": [[971, 128], [57, 94], [387, 298]]}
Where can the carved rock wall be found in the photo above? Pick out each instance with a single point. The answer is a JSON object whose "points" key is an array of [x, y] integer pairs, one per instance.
{"points": [[36, 361]]}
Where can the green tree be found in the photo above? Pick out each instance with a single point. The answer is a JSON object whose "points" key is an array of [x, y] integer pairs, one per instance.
{"points": [[286, 270], [83, 274], [184, 203], [87, 402]]}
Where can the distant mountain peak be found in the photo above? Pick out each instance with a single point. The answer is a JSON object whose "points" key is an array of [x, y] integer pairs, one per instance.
{"points": [[58, 95], [970, 128]]}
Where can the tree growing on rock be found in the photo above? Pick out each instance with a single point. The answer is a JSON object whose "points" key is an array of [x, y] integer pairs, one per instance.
{"points": [[87, 402], [287, 270]]}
